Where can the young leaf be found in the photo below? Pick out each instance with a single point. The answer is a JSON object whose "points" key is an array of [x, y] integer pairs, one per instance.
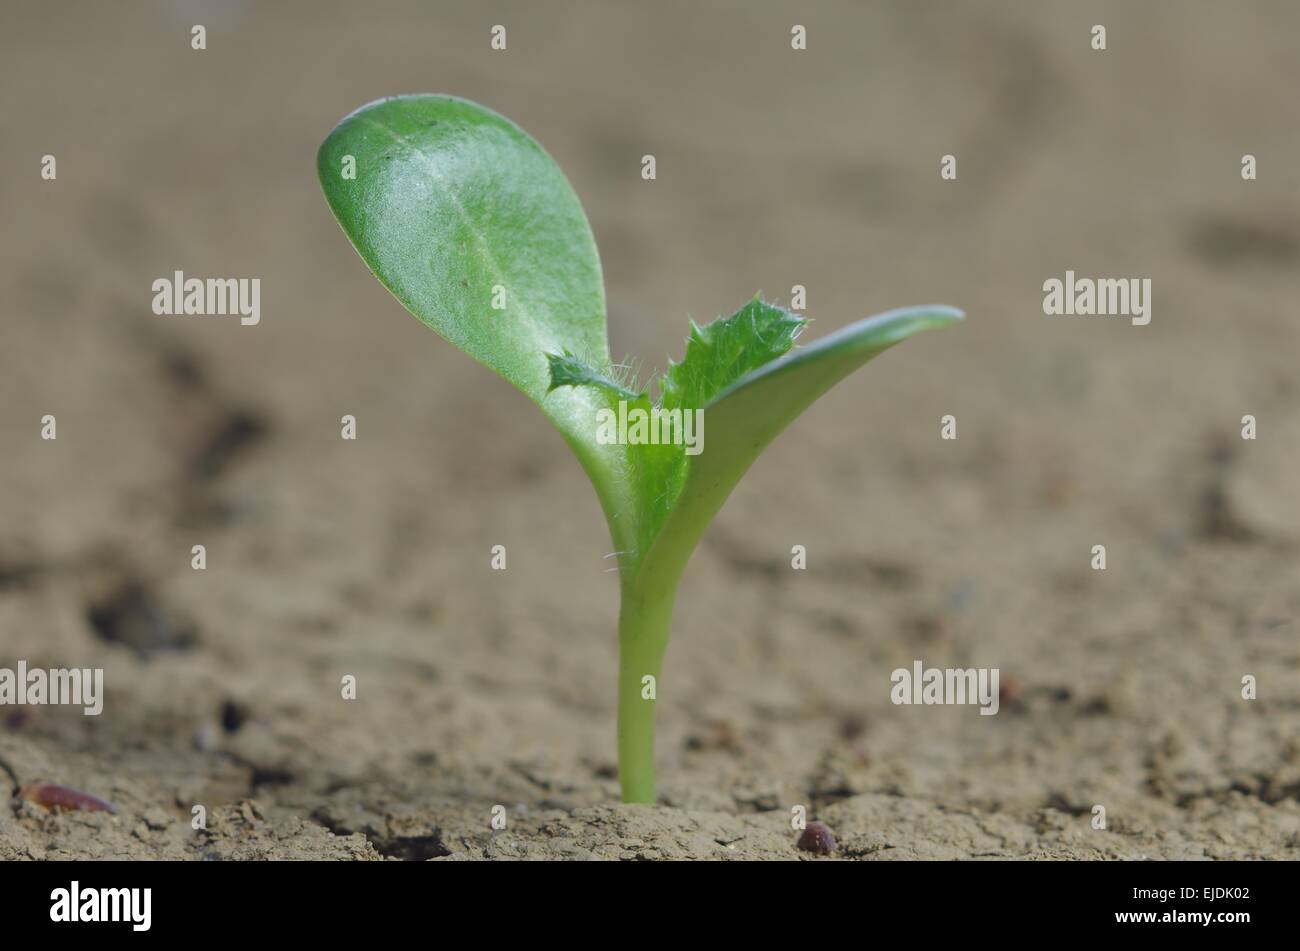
{"points": [[720, 353]]}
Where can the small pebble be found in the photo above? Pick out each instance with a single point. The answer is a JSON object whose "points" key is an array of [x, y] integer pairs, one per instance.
{"points": [[817, 837]]}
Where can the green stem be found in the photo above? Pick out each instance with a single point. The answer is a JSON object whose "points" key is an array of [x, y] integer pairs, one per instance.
{"points": [[645, 617]]}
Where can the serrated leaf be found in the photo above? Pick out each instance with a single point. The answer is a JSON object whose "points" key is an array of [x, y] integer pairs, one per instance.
{"points": [[720, 353]]}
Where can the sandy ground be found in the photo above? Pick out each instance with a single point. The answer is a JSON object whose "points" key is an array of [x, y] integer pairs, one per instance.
{"points": [[479, 688]]}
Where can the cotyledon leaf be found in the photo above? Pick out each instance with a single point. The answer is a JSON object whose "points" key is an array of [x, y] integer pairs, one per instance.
{"points": [[744, 418], [474, 228]]}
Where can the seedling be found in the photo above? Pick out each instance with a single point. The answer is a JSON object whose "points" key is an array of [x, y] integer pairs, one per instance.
{"points": [[473, 227]]}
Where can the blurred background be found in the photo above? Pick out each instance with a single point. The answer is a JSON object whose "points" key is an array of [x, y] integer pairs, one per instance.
{"points": [[776, 167]]}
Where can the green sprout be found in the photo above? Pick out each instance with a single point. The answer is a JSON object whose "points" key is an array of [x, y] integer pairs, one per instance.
{"points": [[474, 228]]}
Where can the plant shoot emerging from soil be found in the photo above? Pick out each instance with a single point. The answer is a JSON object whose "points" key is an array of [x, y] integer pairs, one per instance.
{"points": [[472, 226]]}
